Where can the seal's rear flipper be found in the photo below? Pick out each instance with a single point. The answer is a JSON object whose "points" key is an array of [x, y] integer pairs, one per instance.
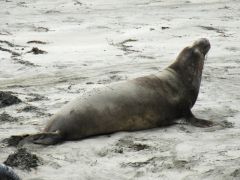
{"points": [[47, 138]]}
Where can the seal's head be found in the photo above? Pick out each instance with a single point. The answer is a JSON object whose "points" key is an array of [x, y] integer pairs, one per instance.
{"points": [[192, 56], [189, 62], [189, 65], [203, 45]]}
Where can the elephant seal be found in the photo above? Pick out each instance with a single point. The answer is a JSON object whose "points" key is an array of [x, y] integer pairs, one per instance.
{"points": [[6, 173], [142, 103]]}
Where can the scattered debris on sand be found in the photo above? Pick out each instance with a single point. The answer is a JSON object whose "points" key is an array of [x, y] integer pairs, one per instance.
{"points": [[10, 51], [76, 2], [32, 109], [7, 42], [210, 28], [35, 50], [23, 160], [222, 32], [89, 82], [41, 29], [24, 62], [5, 33], [127, 48], [146, 57], [165, 27], [125, 145], [36, 97], [7, 99], [36, 42], [124, 47], [236, 173], [139, 163], [8, 47], [131, 145], [5, 117], [29, 109], [13, 140]]}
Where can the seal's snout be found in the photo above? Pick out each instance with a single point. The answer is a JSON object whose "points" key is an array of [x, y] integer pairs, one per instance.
{"points": [[203, 45]]}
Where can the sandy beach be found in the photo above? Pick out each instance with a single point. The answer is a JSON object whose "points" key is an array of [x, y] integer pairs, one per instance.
{"points": [[54, 51]]}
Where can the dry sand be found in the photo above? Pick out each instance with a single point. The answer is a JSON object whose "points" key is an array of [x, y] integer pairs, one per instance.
{"points": [[91, 43]]}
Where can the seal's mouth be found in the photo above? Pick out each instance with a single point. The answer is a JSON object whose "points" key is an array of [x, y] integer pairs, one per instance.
{"points": [[203, 45]]}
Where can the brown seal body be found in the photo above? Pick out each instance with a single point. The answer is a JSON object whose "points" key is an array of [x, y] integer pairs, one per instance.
{"points": [[142, 103]]}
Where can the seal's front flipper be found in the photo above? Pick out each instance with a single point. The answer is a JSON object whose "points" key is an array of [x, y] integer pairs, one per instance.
{"points": [[200, 122], [191, 119], [48, 138]]}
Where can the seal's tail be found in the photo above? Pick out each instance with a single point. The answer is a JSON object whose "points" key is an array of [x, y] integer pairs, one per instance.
{"points": [[46, 138]]}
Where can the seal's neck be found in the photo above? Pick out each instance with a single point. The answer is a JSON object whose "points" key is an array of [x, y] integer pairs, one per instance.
{"points": [[190, 72]]}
